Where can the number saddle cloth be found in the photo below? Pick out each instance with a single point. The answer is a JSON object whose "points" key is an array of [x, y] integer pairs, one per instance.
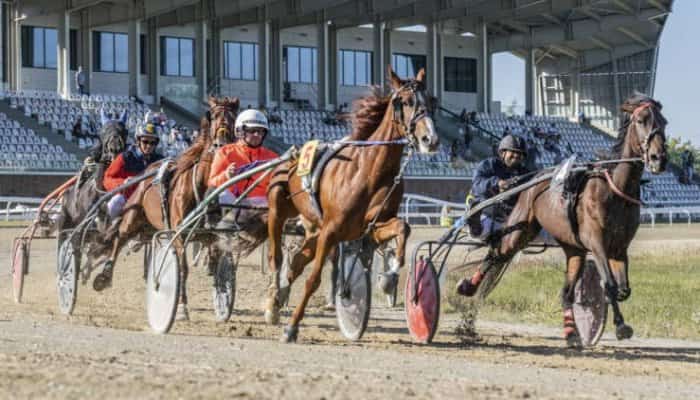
{"points": [[313, 158]]}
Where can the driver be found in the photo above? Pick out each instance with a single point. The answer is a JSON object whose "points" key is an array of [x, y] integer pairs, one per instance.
{"points": [[492, 176], [251, 128], [128, 164]]}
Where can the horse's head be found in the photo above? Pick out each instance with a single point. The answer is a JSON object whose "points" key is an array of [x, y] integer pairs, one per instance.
{"points": [[646, 129], [113, 135], [413, 110], [222, 118]]}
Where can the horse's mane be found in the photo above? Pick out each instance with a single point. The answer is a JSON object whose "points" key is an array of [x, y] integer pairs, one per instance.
{"points": [[627, 108], [112, 128], [368, 113], [190, 156]]}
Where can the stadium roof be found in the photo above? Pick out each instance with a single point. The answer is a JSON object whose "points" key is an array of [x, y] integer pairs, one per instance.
{"points": [[556, 28]]}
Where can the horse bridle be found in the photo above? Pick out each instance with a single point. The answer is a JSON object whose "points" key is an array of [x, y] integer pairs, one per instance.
{"points": [[225, 130], [655, 128], [417, 113]]}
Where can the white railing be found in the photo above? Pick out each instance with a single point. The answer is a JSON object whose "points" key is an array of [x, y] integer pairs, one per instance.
{"points": [[415, 208]]}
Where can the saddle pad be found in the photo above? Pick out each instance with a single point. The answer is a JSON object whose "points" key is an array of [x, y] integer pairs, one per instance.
{"points": [[306, 157]]}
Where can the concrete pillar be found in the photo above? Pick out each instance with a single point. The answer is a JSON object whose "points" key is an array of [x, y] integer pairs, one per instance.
{"points": [[63, 73], [576, 98], [484, 70], [4, 42], [530, 80], [264, 73], [153, 60], [134, 57], [322, 65], [378, 67], [85, 55], [333, 66], [215, 64], [386, 52], [17, 51], [276, 72], [200, 52], [434, 57]]}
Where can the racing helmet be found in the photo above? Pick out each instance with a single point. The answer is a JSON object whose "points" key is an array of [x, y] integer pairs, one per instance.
{"points": [[513, 143], [250, 118]]}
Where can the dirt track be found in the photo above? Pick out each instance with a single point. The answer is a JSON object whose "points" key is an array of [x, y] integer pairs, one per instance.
{"points": [[106, 350]]}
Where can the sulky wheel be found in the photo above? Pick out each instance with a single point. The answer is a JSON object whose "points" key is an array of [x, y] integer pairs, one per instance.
{"points": [[20, 263], [353, 297], [162, 288], [67, 270], [224, 290], [422, 301], [590, 305]]}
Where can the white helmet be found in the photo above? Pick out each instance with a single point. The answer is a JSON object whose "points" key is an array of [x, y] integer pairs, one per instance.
{"points": [[250, 119]]}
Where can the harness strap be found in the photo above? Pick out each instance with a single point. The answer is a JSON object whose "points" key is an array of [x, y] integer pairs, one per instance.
{"points": [[619, 192]]}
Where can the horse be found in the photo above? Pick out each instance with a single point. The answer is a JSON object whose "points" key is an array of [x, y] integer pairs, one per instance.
{"points": [[185, 188], [359, 190], [603, 218], [79, 198]]}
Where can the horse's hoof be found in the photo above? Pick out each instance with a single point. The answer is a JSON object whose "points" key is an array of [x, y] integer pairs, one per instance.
{"points": [[465, 287], [573, 341], [182, 314], [103, 280], [272, 317], [624, 294], [283, 294], [290, 334], [624, 331], [388, 281]]}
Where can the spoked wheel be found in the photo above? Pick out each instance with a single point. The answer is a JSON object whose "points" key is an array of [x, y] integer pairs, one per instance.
{"points": [[422, 301], [162, 287], [67, 272], [224, 290], [590, 305], [353, 297], [382, 259], [20, 263]]}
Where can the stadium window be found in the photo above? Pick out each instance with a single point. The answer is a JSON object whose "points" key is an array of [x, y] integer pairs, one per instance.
{"points": [[39, 47], [177, 56], [407, 65], [73, 43], [301, 64], [240, 61], [355, 67], [144, 54], [460, 75], [111, 52]]}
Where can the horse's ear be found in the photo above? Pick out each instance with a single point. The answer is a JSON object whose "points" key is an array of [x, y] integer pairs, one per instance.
{"points": [[103, 117], [235, 103], [420, 77], [204, 125], [393, 78], [124, 117], [212, 101]]}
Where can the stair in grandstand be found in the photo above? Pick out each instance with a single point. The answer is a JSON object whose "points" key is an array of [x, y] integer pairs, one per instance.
{"points": [[40, 130]]}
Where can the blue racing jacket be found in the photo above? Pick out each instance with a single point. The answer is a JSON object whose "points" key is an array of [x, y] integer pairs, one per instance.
{"points": [[485, 185]]}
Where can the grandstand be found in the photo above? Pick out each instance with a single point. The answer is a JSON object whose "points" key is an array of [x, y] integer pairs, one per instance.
{"points": [[308, 57]]}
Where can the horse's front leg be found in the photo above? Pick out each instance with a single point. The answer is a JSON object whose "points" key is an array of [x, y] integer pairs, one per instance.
{"points": [[622, 330], [395, 228]]}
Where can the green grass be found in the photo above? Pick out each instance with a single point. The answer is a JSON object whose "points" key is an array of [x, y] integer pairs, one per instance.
{"points": [[665, 299]]}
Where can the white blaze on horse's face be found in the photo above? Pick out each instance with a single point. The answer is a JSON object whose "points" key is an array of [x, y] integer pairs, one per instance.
{"points": [[415, 111], [426, 135]]}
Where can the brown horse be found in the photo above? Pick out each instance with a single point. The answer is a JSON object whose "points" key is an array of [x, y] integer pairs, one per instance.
{"points": [[357, 187], [144, 209], [606, 216]]}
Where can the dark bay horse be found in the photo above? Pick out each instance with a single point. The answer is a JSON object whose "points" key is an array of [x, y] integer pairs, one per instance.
{"points": [[606, 215], [356, 187], [187, 185], [80, 197]]}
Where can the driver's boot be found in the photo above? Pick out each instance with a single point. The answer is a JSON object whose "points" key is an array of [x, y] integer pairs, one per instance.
{"points": [[469, 286]]}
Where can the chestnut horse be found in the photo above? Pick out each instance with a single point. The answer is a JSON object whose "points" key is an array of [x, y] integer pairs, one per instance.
{"points": [[356, 189], [186, 188], [606, 216]]}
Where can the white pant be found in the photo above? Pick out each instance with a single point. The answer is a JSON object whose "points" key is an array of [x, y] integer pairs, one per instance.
{"points": [[226, 198], [115, 205]]}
